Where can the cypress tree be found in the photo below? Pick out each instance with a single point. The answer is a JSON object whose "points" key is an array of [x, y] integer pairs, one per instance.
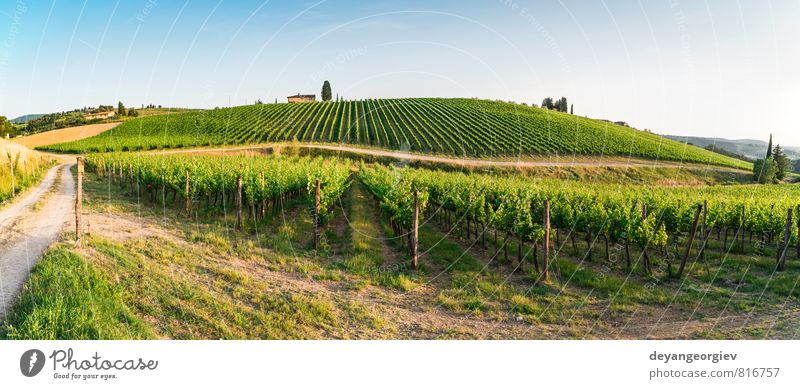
{"points": [[326, 91], [769, 147]]}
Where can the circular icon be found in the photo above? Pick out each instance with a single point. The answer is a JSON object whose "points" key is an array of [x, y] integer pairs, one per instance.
{"points": [[31, 362]]}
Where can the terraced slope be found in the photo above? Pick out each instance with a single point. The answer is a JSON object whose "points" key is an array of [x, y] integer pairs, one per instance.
{"points": [[462, 127]]}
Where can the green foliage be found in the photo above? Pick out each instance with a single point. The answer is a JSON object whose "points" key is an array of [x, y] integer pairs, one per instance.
{"points": [[765, 171], [211, 176], [121, 109], [461, 127], [67, 298], [326, 91], [6, 128], [516, 206], [782, 163]]}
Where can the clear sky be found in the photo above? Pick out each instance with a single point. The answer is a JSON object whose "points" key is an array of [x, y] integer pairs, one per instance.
{"points": [[721, 68]]}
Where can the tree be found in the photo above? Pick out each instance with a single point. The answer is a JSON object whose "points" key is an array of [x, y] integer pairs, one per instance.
{"points": [[326, 91], [797, 165], [132, 112], [782, 163], [120, 109], [547, 103], [563, 104], [571, 109], [764, 170], [769, 147], [6, 128]]}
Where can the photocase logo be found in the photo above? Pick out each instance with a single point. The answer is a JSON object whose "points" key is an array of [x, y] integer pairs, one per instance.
{"points": [[31, 362]]}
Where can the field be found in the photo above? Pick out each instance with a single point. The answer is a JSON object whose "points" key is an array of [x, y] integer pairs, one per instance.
{"points": [[217, 246], [28, 167], [63, 135], [456, 127]]}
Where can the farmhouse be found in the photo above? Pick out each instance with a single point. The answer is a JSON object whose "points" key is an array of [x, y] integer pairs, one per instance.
{"points": [[101, 115], [298, 98]]}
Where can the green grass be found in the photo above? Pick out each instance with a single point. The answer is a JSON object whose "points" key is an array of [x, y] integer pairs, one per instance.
{"points": [[68, 298], [461, 127]]}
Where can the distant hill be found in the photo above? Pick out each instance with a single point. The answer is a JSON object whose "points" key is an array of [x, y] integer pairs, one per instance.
{"points": [[26, 118], [750, 148], [463, 127]]}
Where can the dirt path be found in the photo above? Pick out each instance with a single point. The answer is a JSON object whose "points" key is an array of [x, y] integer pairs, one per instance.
{"points": [[29, 226], [467, 162]]}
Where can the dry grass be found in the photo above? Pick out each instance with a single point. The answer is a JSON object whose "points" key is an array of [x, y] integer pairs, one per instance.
{"points": [[28, 165], [64, 135]]}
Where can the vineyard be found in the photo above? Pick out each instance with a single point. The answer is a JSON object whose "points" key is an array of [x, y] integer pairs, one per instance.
{"points": [[458, 127], [260, 185], [532, 212]]}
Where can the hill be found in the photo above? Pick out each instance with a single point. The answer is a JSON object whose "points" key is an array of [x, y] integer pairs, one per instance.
{"points": [[26, 118], [750, 148], [461, 127]]}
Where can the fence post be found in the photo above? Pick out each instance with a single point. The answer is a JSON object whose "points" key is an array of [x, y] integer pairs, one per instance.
{"points": [[188, 198], [316, 215], [79, 202], [13, 190], [645, 257], [786, 237], [690, 242], [263, 197], [415, 233], [546, 226], [239, 203], [703, 231]]}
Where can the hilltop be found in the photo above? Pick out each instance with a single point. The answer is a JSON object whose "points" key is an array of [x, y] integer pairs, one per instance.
{"points": [[459, 127]]}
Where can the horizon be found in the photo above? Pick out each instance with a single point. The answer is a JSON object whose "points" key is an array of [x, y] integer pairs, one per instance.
{"points": [[610, 61]]}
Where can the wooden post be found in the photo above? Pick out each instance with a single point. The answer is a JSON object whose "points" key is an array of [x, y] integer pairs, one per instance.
{"points": [[239, 203], [703, 231], [546, 225], [263, 197], [645, 257], [691, 241], [415, 233], [316, 215], [79, 203], [188, 198], [11, 162], [786, 237], [742, 231]]}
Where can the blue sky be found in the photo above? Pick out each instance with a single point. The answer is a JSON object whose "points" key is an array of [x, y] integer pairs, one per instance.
{"points": [[708, 68]]}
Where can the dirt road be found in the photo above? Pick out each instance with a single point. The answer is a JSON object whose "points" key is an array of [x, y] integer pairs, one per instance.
{"points": [[29, 226], [562, 161]]}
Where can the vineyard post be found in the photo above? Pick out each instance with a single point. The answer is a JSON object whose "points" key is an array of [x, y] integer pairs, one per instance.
{"points": [[79, 203], [415, 232], [316, 215], [690, 242], [742, 230], [546, 225], [239, 203], [263, 197], [786, 237], [644, 249], [188, 199], [703, 231]]}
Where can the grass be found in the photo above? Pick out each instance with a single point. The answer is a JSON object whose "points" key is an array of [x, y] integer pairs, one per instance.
{"points": [[68, 298]]}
